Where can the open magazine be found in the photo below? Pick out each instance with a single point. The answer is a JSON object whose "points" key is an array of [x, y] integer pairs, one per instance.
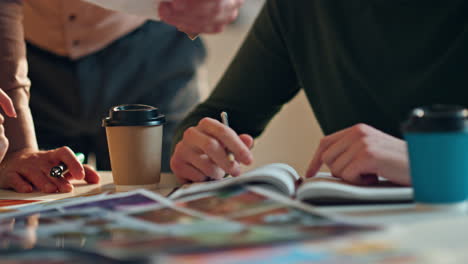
{"points": [[321, 189]]}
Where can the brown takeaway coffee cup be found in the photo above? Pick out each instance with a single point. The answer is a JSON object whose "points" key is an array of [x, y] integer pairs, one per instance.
{"points": [[134, 136]]}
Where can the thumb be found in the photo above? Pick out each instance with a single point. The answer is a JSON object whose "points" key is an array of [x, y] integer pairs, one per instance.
{"points": [[6, 104], [248, 140]]}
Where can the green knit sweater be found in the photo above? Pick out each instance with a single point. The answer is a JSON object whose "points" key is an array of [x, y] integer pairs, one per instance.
{"points": [[358, 61]]}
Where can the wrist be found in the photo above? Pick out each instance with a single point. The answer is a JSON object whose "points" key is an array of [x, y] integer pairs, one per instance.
{"points": [[18, 152], [11, 156]]}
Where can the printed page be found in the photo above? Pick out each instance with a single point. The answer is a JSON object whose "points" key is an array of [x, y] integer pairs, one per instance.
{"points": [[326, 189], [105, 223], [240, 201], [142, 223], [112, 202], [257, 207], [278, 175]]}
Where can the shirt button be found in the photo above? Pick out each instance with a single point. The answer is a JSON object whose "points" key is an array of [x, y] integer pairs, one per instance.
{"points": [[76, 42], [72, 17]]}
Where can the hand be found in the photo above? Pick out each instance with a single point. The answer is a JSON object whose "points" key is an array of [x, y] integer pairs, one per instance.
{"points": [[199, 16], [7, 105], [361, 153], [27, 169], [203, 152]]}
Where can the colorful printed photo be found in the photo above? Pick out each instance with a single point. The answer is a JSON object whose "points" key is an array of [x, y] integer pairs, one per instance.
{"points": [[165, 215], [124, 203], [226, 202]]}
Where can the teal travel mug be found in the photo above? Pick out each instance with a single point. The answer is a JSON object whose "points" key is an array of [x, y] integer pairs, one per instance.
{"points": [[437, 138]]}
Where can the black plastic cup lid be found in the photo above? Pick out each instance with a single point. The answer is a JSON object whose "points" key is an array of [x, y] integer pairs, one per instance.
{"points": [[437, 118], [134, 115]]}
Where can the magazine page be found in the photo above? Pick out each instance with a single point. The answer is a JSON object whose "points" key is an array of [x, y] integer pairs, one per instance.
{"points": [[114, 225], [45, 255], [141, 223], [280, 176], [326, 189], [111, 202], [261, 208], [236, 202], [430, 242]]}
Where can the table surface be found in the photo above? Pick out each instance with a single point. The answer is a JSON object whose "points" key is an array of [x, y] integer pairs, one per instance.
{"points": [[382, 214], [81, 188], [416, 230]]}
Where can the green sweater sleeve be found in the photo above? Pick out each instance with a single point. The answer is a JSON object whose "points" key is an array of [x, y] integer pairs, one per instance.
{"points": [[257, 83]]}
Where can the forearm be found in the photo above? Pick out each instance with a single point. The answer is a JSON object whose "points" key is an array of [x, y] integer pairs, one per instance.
{"points": [[20, 130], [258, 82], [13, 65], [13, 75]]}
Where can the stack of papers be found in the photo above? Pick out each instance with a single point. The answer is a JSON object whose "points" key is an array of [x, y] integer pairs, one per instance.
{"points": [[142, 223]]}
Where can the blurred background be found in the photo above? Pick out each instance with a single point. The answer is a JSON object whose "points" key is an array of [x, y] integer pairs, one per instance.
{"points": [[294, 134]]}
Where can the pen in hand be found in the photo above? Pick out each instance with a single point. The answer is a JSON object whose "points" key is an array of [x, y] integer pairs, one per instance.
{"points": [[62, 169], [224, 119]]}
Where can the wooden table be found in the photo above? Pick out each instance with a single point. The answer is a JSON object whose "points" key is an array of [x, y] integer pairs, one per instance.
{"points": [[418, 227], [166, 186]]}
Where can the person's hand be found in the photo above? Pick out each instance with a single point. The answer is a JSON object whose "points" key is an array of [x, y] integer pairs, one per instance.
{"points": [[361, 153], [27, 169], [199, 16], [202, 153], [7, 106]]}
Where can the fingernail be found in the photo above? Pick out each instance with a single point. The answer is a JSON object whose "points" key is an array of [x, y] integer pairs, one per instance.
{"points": [[248, 158], [68, 188], [253, 145], [235, 171]]}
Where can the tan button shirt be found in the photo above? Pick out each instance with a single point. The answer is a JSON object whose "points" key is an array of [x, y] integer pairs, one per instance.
{"points": [[71, 28], [74, 28]]}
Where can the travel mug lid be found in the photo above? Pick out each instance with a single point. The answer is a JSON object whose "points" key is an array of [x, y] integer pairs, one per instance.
{"points": [[134, 115], [437, 118]]}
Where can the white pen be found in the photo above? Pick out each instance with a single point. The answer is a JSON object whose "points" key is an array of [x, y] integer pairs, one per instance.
{"points": [[224, 119]]}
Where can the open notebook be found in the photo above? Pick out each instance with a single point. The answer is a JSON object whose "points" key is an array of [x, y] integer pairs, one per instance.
{"points": [[319, 190]]}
